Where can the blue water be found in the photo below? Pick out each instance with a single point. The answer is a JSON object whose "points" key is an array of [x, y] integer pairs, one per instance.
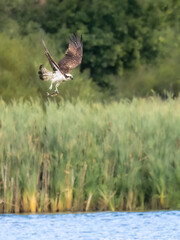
{"points": [[117, 225]]}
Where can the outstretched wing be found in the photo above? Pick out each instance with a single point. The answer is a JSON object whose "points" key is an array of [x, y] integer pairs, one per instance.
{"points": [[53, 64], [73, 56]]}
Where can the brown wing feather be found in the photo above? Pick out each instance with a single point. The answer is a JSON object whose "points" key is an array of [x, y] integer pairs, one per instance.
{"points": [[53, 64], [73, 56]]}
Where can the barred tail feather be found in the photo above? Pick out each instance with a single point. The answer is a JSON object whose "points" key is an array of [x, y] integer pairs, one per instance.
{"points": [[44, 74]]}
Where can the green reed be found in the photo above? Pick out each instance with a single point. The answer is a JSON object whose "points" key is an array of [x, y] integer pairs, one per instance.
{"points": [[89, 157]]}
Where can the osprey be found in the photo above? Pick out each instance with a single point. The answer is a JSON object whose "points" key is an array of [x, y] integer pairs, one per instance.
{"points": [[61, 71]]}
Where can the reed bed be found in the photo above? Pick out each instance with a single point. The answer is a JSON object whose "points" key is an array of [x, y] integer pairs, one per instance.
{"points": [[89, 157]]}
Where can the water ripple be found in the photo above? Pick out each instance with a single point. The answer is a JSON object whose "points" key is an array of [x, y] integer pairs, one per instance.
{"points": [[118, 225]]}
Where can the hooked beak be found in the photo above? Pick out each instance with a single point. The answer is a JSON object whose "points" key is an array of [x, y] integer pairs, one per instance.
{"points": [[72, 78]]}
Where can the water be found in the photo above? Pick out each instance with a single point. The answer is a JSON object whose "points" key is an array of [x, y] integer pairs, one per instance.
{"points": [[117, 225]]}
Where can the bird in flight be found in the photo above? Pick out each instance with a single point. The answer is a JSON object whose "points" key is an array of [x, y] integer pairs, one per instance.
{"points": [[61, 71]]}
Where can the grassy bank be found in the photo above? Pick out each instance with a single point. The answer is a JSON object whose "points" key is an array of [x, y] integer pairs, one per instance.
{"points": [[80, 157]]}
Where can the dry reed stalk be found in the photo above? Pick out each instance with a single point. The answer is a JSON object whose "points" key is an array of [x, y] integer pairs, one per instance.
{"points": [[46, 160], [80, 197], [46, 180], [111, 206], [88, 202], [154, 202], [69, 197], [25, 203], [1, 206], [46, 203], [54, 205], [33, 203], [162, 200], [130, 201], [82, 185], [121, 203], [17, 197], [60, 205], [11, 195], [69, 188], [83, 175], [4, 179]]}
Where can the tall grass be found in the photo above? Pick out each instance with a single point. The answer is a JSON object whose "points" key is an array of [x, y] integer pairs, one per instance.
{"points": [[89, 157]]}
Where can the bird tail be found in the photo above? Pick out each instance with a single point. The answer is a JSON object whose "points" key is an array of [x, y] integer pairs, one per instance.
{"points": [[44, 74]]}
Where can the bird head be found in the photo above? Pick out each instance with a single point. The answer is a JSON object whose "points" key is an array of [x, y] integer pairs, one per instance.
{"points": [[68, 76]]}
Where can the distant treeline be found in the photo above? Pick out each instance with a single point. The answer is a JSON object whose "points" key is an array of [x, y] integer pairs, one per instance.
{"points": [[80, 157], [130, 47]]}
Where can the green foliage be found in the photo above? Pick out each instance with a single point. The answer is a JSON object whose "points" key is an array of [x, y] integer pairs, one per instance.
{"points": [[117, 35], [121, 156], [160, 77], [18, 71], [130, 47], [19, 63]]}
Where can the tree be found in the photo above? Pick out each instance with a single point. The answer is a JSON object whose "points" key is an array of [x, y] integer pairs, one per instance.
{"points": [[117, 34]]}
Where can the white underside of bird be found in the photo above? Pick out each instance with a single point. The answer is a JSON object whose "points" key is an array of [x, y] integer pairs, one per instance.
{"points": [[55, 77], [58, 78]]}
